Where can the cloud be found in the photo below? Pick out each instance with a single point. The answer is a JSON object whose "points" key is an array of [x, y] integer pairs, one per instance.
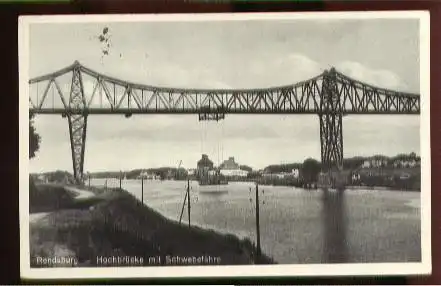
{"points": [[304, 64], [266, 70], [380, 78]]}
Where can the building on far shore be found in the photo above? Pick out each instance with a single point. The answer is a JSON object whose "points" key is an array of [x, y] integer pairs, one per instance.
{"points": [[42, 178], [204, 165], [191, 172], [406, 163], [229, 168], [229, 164], [234, 173], [374, 163], [401, 161], [148, 175], [294, 174]]}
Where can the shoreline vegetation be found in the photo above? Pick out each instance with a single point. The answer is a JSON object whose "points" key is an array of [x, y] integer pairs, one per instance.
{"points": [[400, 172], [113, 228], [392, 179]]}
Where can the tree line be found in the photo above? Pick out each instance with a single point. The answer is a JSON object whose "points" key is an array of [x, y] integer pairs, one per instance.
{"points": [[309, 169], [348, 163]]}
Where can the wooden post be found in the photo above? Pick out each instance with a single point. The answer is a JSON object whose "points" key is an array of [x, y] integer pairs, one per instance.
{"points": [[120, 180], [188, 201], [89, 181], [142, 190], [183, 205], [257, 221]]}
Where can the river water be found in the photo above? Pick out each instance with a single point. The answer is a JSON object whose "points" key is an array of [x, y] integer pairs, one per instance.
{"points": [[297, 225]]}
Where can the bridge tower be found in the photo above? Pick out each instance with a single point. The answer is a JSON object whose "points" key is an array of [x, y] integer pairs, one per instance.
{"points": [[331, 128], [77, 123]]}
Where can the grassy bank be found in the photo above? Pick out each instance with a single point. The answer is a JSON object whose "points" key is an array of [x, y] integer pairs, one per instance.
{"points": [[115, 223], [53, 197]]}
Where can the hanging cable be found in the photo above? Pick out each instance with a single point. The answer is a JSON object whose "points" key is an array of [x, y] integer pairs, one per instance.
{"points": [[101, 93], [218, 145], [37, 93], [222, 138], [201, 130], [53, 96], [218, 154], [206, 143], [207, 146]]}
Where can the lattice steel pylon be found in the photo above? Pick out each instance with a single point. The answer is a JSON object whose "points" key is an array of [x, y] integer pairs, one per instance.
{"points": [[77, 124], [331, 127]]}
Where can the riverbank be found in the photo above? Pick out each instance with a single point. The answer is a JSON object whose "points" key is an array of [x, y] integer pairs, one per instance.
{"points": [[380, 188], [281, 183], [114, 228]]}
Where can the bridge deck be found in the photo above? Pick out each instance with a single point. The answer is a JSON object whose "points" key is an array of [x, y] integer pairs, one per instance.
{"points": [[130, 111], [329, 92]]}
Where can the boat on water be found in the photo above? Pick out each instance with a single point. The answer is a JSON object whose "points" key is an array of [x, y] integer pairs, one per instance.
{"points": [[213, 182], [208, 177]]}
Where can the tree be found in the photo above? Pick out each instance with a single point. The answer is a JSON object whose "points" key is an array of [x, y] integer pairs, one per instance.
{"points": [[353, 163], [310, 170], [287, 168], [34, 138]]}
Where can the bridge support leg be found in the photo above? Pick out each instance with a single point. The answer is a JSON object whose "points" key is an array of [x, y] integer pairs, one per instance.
{"points": [[331, 139], [77, 124], [77, 133], [331, 127]]}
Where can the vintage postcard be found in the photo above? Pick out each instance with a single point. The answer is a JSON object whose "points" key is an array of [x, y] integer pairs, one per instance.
{"points": [[210, 145]]}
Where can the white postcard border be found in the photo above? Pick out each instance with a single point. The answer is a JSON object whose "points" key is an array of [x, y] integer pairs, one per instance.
{"points": [[359, 269]]}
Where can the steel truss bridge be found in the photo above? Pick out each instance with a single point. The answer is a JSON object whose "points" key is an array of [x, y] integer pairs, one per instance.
{"points": [[331, 95]]}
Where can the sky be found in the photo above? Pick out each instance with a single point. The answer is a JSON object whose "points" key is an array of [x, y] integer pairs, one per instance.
{"points": [[236, 54]]}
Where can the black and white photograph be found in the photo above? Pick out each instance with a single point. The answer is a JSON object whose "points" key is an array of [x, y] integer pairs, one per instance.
{"points": [[209, 145]]}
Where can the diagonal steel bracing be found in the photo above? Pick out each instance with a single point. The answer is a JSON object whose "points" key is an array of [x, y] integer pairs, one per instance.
{"points": [[330, 94], [331, 128], [77, 125], [331, 139], [117, 96]]}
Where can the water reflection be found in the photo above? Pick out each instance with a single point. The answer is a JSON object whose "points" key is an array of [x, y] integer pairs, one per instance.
{"points": [[334, 220]]}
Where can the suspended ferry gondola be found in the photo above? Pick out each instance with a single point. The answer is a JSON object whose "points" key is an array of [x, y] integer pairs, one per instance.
{"points": [[209, 176]]}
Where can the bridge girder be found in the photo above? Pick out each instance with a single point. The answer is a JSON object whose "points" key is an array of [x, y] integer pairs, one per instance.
{"points": [[331, 95], [111, 95]]}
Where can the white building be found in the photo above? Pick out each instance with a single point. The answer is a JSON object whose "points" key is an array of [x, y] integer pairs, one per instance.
{"points": [[406, 163], [148, 176], [374, 163], [42, 178], [229, 168], [356, 177], [234, 172], [295, 173]]}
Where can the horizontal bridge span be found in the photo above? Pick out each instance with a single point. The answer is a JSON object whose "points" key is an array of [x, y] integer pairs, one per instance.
{"points": [[329, 92], [126, 111]]}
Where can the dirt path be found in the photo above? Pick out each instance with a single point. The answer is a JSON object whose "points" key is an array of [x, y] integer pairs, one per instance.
{"points": [[35, 218], [81, 193]]}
